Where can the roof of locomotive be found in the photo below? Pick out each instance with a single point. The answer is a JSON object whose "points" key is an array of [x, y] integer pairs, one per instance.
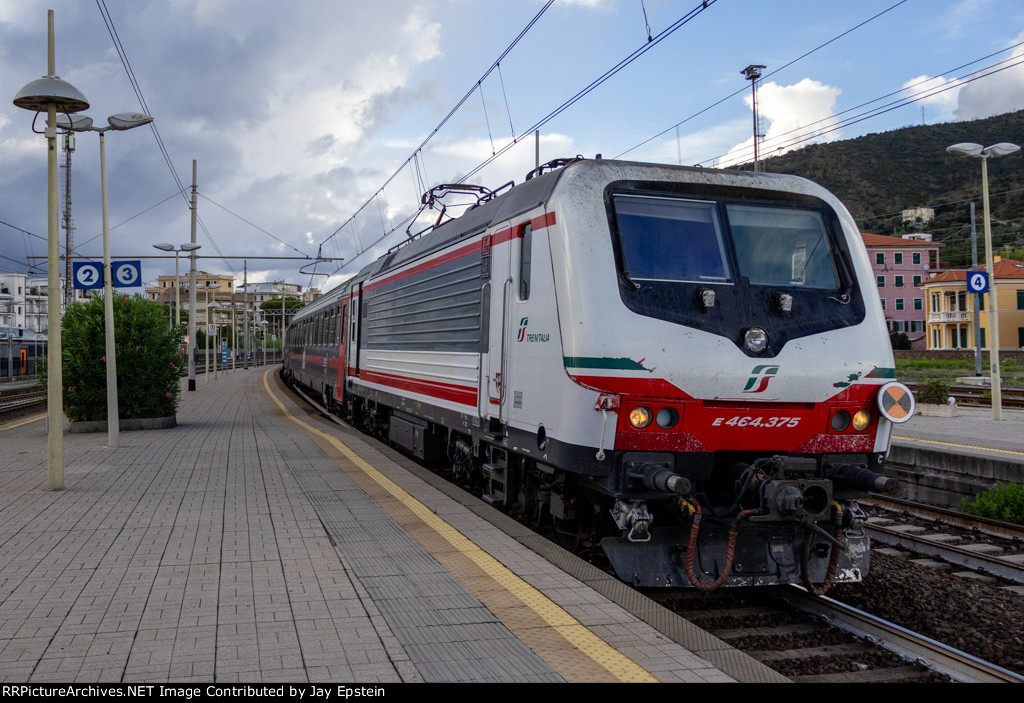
{"points": [[535, 192]]}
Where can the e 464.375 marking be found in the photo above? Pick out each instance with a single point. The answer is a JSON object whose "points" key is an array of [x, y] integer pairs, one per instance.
{"points": [[756, 421]]}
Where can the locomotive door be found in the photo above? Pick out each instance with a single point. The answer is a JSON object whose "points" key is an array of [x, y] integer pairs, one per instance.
{"points": [[496, 248], [352, 350]]}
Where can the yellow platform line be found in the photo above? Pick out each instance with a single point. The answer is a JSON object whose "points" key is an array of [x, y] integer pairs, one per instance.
{"points": [[23, 422], [617, 664], [959, 445]]}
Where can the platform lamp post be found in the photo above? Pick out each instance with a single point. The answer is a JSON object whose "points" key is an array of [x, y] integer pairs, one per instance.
{"points": [[177, 277], [216, 343], [263, 332], [977, 151], [120, 122], [51, 95], [208, 287]]}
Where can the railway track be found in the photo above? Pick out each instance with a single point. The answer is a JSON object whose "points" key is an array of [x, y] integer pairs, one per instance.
{"points": [[815, 639], [980, 395], [21, 401], [987, 546]]}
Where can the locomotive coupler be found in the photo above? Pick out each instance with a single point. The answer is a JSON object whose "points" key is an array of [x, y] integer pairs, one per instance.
{"points": [[633, 516]]}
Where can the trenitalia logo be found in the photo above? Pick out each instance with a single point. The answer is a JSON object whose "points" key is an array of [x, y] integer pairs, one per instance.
{"points": [[522, 329], [759, 378]]}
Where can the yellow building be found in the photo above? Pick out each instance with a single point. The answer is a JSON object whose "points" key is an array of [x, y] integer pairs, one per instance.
{"points": [[163, 291], [950, 316]]}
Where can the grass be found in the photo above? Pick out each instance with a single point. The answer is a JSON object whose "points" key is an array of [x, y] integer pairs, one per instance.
{"points": [[948, 370]]}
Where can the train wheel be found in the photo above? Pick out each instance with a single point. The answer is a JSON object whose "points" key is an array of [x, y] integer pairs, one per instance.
{"points": [[568, 533]]}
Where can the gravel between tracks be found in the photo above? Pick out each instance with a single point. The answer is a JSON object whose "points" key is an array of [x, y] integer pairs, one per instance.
{"points": [[977, 617]]}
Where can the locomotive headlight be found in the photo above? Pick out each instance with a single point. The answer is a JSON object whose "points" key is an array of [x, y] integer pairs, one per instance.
{"points": [[840, 421], [667, 418], [640, 417], [861, 419], [755, 339]]}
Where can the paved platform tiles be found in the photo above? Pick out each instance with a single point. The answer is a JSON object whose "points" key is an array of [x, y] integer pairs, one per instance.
{"points": [[232, 548], [971, 432]]}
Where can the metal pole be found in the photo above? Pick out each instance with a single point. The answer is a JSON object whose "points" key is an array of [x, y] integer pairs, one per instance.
{"points": [[977, 296], [54, 356], [245, 313], [108, 310], [993, 299], [177, 292], [192, 292]]}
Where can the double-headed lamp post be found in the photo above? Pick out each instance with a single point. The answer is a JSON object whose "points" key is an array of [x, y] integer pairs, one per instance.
{"points": [[985, 153], [120, 122], [51, 95], [177, 277]]}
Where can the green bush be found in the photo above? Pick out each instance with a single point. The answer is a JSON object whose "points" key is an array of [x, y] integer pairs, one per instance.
{"points": [[149, 360], [933, 392], [1004, 502]]}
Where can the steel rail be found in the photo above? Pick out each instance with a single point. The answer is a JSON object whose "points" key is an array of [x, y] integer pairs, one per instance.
{"points": [[942, 658]]}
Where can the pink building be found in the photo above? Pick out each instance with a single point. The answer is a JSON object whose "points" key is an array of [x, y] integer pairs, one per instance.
{"points": [[901, 266]]}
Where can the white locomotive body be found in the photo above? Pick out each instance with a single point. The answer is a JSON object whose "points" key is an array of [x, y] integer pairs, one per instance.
{"points": [[690, 366]]}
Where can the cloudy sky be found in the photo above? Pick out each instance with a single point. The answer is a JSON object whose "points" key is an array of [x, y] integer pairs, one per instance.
{"points": [[302, 114]]}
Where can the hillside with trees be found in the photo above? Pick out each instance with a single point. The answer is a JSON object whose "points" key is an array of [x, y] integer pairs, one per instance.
{"points": [[879, 175]]}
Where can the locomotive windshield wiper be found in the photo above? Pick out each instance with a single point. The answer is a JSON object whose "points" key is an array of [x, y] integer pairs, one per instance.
{"points": [[632, 284]]}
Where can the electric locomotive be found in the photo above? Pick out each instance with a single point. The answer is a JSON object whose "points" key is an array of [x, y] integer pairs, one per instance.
{"points": [[689, 367]]}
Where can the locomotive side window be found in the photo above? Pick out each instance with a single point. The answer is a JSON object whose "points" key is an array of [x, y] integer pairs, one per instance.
{"points": [[525, 259], [782, 247], [671, 239]]}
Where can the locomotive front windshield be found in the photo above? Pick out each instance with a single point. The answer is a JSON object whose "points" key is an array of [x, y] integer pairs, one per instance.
{"points": [[727, 261], [672, 239]]}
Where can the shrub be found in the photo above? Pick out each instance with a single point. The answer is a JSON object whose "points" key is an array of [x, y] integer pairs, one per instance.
{"points": [[934, 392], [149, 360], [1004, 502], [899, 340]]}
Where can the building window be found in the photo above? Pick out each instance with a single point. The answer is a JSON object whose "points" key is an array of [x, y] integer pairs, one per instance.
{"points": [[899, 303], [935, 303], [983, 343], [899, 281], [1020, 300], [918, 304], [897, 258], [917, 281], [883, 303], [917, 258], [880, 258], [917, 326], [881, 281]]}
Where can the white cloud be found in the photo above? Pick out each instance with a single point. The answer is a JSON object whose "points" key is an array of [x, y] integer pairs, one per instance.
{"points": [[996, 93], [938, 94], [796, 115]]}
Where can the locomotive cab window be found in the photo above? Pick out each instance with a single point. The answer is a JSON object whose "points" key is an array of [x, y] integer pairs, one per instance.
{"points": [[725, 259], [669, 239], [782, 247]]}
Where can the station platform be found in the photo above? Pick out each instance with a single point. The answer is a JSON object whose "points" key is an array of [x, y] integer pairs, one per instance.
{"points": [[259, 542], [945, 460]]}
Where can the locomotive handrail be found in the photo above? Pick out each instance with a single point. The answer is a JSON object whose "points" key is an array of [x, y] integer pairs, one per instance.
{"points": [[504, 340]]}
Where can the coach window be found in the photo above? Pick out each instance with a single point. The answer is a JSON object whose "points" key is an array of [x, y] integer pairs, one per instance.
{"points": [[525, 260]]}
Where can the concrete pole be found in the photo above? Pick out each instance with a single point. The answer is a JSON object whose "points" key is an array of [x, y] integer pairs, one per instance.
{"points": [[993, 299], [113, 423], [54, 355]]}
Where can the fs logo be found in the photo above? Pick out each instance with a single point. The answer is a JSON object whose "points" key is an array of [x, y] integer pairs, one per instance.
{"points": [[522, 329], [759, 378]]}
